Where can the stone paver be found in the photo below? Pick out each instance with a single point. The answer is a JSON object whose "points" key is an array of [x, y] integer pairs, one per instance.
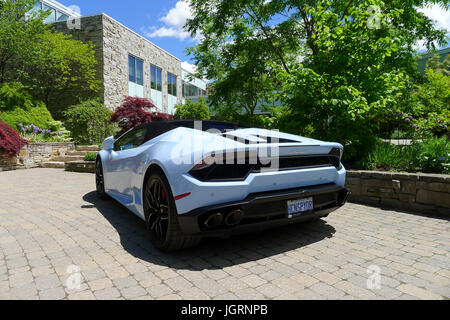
{"points": [[58, 241]]}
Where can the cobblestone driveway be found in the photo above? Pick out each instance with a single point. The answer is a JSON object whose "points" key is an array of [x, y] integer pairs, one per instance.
{"points": [[51, 220]]}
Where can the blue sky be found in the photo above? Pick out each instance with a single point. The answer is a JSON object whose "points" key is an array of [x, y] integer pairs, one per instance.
{"points": [[160, 21]]}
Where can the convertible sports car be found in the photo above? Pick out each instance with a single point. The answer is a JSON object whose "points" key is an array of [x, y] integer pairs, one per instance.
{"points": [[189, 180]]}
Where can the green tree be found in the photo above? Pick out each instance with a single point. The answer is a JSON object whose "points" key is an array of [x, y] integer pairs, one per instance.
{"points": [[439, 66], [432, 112], [17, 34], [55, 68], [193, 111], [342, 67], [61, 71]]}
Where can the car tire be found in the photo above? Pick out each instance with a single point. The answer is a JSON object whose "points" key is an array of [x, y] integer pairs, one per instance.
{"points": [[100, 180], [162, 217]]}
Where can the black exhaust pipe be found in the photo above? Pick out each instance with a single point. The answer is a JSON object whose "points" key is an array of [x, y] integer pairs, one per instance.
{"points": [[234, 218], [214, 221]]}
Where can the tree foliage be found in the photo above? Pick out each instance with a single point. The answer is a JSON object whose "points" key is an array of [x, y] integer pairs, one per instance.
{"points": [[432, 112], [55, 68], [17, 35], [61, 71], [439, 66], [135, 112], [193, 111], [344, 69]]}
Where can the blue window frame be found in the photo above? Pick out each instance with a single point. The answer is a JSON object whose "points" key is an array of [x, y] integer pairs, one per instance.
{"points": [[132, 68], [172, 84], [139, 72], [156, 79], [136, 70]]}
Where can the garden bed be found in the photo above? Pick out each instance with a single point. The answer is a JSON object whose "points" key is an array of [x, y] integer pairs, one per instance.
{"points": [[424, 193]]}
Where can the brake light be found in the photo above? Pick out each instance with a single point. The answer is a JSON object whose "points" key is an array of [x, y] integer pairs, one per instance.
{"points": [[337, 152]]}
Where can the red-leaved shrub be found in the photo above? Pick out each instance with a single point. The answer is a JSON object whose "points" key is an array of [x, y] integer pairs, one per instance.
{"points": [[10, 141], [135, 112]]}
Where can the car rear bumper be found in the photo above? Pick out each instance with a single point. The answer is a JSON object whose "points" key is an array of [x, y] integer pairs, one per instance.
{"points": [[264, 210]]}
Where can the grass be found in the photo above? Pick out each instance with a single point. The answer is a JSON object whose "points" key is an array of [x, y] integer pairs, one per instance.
{"points": [[91, 157]]}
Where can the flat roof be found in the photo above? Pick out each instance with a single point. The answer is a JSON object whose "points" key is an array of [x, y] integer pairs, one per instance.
{"points": [[61, 8], [430, 54]]}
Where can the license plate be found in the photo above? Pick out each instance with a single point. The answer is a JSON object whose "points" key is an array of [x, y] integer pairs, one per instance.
{"points": [[297, 207]]}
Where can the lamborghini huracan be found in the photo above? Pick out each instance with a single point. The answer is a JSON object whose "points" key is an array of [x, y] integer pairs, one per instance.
{"points": [[189, 180]]}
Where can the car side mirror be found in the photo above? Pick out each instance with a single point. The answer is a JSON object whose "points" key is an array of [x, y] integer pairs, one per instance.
{"points": [[108, 144]]}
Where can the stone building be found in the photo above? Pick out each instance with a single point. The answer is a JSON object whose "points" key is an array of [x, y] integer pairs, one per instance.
{"points": [[131, 65]]}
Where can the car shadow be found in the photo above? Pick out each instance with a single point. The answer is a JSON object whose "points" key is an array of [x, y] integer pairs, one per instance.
{"points": [[211, 253]]}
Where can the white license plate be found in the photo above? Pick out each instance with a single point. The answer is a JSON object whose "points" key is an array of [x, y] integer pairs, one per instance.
{"points": [[297, 207]]}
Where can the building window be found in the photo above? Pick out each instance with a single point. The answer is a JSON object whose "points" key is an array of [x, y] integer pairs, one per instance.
{"points": [[136, 70], [172, 84], [52, 17], [61, 16], [37, 6], [191, 91], [156, 79]]}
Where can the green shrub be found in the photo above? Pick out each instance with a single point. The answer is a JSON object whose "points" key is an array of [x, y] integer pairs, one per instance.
{"points": [[88, 122], [428, 156], [432, 113], [433, 156], [18, 107], [91, 157], [193, 111]]}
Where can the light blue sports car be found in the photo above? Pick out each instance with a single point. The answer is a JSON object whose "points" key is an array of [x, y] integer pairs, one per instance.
{"points": [[189, 180]]}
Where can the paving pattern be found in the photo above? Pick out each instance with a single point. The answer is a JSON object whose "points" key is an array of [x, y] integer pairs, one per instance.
{"points": [[58, 241]]}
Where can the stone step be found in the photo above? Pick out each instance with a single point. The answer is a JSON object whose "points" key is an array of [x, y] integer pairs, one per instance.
{"points": [[53, 165], [67, 158], [87, 148]]}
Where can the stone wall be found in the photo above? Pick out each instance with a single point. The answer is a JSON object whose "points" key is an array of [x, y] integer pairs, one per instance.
{"points": [[35, 154], [113, 43], [7, 164], [425, 193], [119, 42]]}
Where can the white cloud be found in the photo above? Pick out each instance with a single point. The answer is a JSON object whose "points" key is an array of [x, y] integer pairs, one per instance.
{"points": [[439, 15], [174, 22]]}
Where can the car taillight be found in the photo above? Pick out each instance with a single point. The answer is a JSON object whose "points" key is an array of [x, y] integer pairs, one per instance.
{"points": [[201, 165], [337, 152]]}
